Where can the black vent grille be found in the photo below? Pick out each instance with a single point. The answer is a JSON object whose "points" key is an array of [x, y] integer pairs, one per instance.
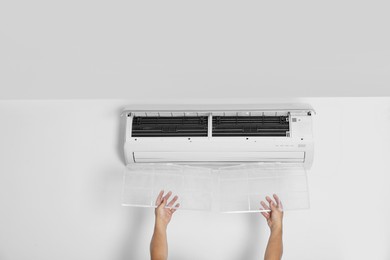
{"points": [[250, 126], [169, 126]]}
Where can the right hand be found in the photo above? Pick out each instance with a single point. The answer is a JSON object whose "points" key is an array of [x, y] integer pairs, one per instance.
{"points": [[275, 216]]}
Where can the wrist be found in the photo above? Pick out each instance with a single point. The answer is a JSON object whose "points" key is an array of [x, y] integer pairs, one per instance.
{"points": [[160, 225], [277, 229]]}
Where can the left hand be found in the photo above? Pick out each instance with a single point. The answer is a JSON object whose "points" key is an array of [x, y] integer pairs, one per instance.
{"points": [[164, 210]]}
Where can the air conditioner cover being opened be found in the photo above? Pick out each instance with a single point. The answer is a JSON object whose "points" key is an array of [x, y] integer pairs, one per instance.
{"points": [[236, 188], [222, 158]]}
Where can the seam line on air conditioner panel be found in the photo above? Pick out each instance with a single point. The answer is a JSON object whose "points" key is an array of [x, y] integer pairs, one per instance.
{"points": [[220, 110], [210, 126]]}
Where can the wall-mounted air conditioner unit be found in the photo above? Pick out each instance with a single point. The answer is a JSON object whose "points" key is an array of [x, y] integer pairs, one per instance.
{"points": [[213, 154]]}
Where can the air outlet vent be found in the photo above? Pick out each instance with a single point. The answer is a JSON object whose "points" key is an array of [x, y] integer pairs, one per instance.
{"points": [[173, 126], [250, 126]]}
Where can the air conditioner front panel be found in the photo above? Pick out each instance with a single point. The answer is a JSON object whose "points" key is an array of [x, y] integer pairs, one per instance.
{"points": [[221, 149], [207, 156]]}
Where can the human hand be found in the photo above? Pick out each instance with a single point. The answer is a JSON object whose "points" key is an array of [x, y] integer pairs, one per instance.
{"points": [[164, 210], [275, 216]]}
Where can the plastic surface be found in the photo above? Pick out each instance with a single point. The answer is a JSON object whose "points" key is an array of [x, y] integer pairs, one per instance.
{"points": [[143, 182], [226, 188], [241, 188]]}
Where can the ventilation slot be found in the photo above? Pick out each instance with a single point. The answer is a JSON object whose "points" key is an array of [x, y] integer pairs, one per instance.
{"points": [[169, 126], [250, 126]]}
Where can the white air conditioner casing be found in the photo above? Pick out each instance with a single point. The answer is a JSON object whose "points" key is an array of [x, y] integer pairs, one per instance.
{"points": [[296, 147]]}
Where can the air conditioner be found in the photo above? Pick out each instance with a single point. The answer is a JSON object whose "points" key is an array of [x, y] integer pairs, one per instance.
{"points": [[280, 134], [164, 143]]}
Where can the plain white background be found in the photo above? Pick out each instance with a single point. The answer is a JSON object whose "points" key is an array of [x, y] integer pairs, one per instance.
{"points": [[195, 49], [61, 179]]}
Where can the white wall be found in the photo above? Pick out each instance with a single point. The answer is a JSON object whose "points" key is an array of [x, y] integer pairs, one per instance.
{"points": [[61, 176], [112, 49]]}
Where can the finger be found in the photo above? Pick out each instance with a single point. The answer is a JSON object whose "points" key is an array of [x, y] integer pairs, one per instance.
{"points": [[166, 197], [266, 215], [276, 199], [170, 204], [278, 202], [159, 198], [176, 207], [268, 199], [272, 204], [264, 205]]}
